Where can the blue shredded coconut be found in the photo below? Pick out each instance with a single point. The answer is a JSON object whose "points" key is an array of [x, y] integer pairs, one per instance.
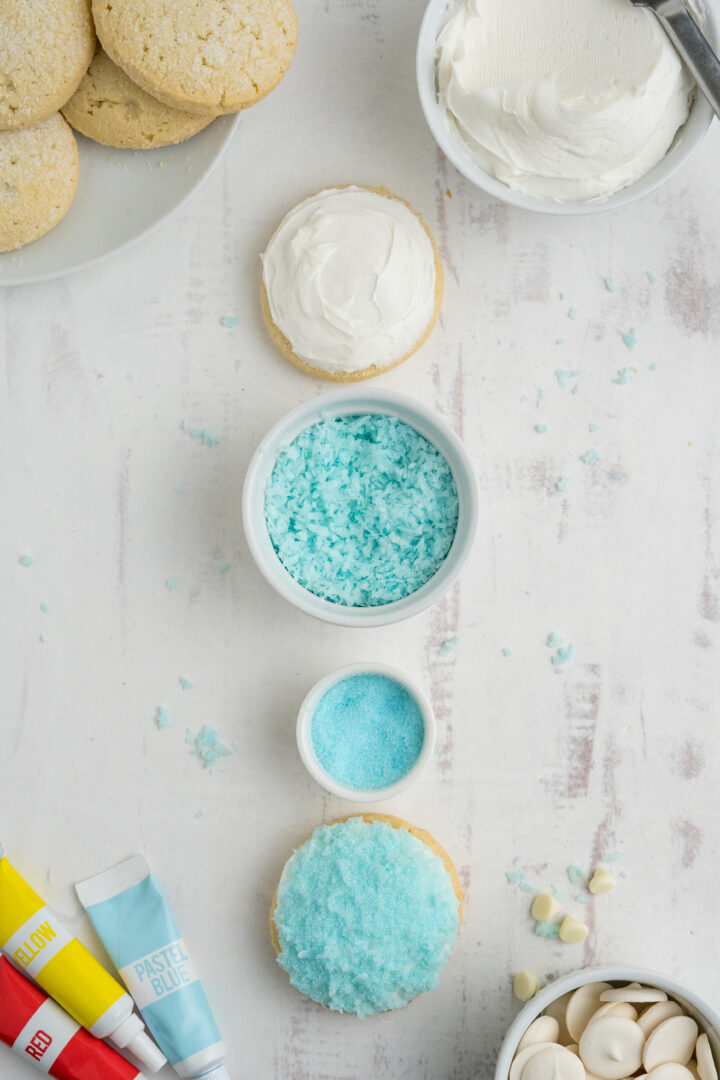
{"points": [[590, 457], [205, 436], [206, 745], [554, 640], [45, 607], [448, 647], [563, 374], [26, 560], [162, 717], [611, 284], [563, 483], [548, 930], [367, 731], [624, 376], [630, 338], [506, 651], [186, 684], [229, 321], [575, 875], [514, 877], [541, 429], [611, 856], [361, 510], [366, 917], [171, 583], [573, 313]]}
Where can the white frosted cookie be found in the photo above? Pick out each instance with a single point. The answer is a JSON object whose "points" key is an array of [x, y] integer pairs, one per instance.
{"points": [[45, 49], [111, 109], [352, 283], [201, 56], [38, 179]]}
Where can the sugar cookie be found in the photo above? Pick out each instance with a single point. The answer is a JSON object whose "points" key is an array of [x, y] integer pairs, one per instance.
{"points": [[45, 49], [111, 109], [38, 178], [200, 56], [352, 283]]}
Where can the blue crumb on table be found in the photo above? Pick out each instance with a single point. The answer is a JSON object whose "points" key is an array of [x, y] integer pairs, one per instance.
{"points": [[204, 435], [548, 930], [590, 457], [541, 429], [162, 717], [171, 583], [361, 510], [186, 684], [229, 321], [45, 607], [563, 374], [26, 560], [366, 917], [630, 338], [367, 731], [624, 376], [206, 745], [448, 647]]}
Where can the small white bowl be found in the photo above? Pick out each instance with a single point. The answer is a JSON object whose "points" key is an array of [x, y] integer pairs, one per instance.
{"points": [[353, 402], [687, 139], [704, 1014], [309, 758]]}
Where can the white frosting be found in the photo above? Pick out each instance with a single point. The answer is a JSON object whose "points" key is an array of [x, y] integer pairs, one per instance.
{"points": [[350, 279], [563, 99]]}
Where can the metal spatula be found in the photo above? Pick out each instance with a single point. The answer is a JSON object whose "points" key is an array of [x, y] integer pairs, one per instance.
{"points": [[691, 43]]}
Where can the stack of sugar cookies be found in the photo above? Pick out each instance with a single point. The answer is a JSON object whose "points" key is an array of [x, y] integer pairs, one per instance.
{"points": [[133, 74]]}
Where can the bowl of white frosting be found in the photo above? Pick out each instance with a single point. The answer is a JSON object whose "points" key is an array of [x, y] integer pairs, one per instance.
{"points": [[560, 106]]}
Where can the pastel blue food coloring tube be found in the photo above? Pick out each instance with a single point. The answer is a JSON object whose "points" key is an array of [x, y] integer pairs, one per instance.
{"points": [[133, 920]]}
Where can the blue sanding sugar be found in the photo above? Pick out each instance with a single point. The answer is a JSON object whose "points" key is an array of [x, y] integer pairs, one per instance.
{"points": [[361, 510], [367, 731], [366, 917]]}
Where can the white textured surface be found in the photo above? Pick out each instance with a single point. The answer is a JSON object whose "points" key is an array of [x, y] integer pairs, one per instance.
{"points": [[100, 370]]}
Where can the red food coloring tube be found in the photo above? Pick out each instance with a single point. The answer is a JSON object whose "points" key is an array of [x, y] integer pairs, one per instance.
{"points": [[44, 1035]]}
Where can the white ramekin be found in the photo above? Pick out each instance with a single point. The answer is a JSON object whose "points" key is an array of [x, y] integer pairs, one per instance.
{"points": [[352, 402], [704, 1014], [309, 758], [687, 139]]}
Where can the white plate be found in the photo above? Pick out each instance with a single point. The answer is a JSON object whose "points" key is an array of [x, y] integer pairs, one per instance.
{"points": [[121, 196]]}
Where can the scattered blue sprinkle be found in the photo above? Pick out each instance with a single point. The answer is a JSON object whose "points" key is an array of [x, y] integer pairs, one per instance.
{"points": [[611, 284], [514, 877], [526, 887], [448, 647], [630, 338], [575, 875], [229, 321], [540, 398], [590, 457], [582, 898], [593, 427], [573, 313], [562, 483], [560, 341], [506, 650], [223, 567], [549, 930], [162, 717], [575, 389], [561, 295], [513, 344], [171, 583], [180, 489], [206, 745], [623, 874], [523, 399], [186, 684], [559, 893], [26, 560], [541, 429], [199, 815], [624, 376], [563, 655], [203, 434], [562, 376], [652, 277], [554, 640], [42, 639], [610, 856], [44, 607], [652, 367]]}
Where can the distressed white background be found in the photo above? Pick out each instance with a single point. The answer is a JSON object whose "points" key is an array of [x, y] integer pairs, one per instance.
{"points": [[621, 751]]}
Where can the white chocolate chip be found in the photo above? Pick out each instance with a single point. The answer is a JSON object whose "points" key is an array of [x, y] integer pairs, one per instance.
{"points": [[617, 1008], [525, 985], [583, 1003], [672, 1041], [572, 930], [555, 1063], [602, 881], [655, 1014], [544, 907], [705, 1061], [545, 1029], [671, 1071], [641, 994], [612, 1047], [523, 1056]]}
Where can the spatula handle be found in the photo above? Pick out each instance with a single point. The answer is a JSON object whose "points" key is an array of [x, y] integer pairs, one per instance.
{"points": [[693, 46]]}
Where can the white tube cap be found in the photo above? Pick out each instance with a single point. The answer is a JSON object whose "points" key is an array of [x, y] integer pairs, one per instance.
{"points": [[218, 1073], [131, 1035]]}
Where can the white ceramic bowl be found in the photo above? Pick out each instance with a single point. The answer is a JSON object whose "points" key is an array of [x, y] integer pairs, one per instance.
{"points": [[353, 402], [704, 1014], [309, 758], [687, 139]]}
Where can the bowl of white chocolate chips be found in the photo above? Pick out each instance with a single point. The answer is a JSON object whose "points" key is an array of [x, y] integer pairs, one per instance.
{"points": [[612, 1024]]}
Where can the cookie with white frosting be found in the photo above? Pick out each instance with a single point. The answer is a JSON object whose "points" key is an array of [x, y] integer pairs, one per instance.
{"points": [[352, 283]]}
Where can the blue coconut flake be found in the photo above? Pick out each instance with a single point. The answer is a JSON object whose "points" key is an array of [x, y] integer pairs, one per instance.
{"points": [[573, 313], [593, 427], [229, 321], [559, 893], [223, 567], [560, 341], [527, 887], [611, 856], [590, 457], [652, 367], [515, 877], [564, 654], [549, 930], [630, 338], [448, 647], [366, 917], [367, 731], [45, 607], [563, 374], [562, 483], [624, 376], [162, 717], [582, 898], [506, 651], [540, 398], [180, 489], [26, 560], [204, 435], [652, 277], [206, 745], [554, 640], [576, 875], [541, 429], [361, 510], [171, 583], [611, 284], [623, 874], [186, 684]]}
